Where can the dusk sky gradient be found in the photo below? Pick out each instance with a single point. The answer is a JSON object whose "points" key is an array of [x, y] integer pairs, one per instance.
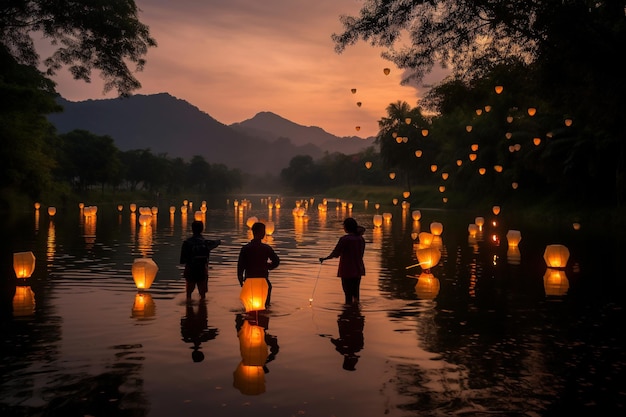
{"points": [[235, 58]]}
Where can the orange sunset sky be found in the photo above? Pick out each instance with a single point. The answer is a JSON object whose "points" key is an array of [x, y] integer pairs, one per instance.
{"points": [[235, 58]]}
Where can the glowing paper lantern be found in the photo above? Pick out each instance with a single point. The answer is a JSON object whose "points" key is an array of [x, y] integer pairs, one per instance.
{"points": [[498, 168], [353, 91], [459, 162], [386, 71], [444, 175], [428, 257], [23, 264], [254, 294], [496, 210], [513, 237], [468, 128], [133, 207], [514, 185], [198, 215], [472, 229], [508, 135], [269, 227], [436, 228], [406, 194], [52, 211], [576, 226], [120, 208], [480, 222], [37, 206], [368, 164], [144, 271], [252, 345], [145, 219], [536, 141], [424, 132], [416, 215], [472, 157], [392, 175], [427, 286], [556, 256], [426, 239], [172, 209], [499, 89], [532, 111], [568, 122], [433, 167], [474, 147], [442, 188], [418, 153], [377, 220], [387, 217], [482, 171]]}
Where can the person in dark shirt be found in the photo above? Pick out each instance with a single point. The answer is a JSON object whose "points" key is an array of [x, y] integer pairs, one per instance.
{"points": [[194, 254], [350, 249], [256, 259]]}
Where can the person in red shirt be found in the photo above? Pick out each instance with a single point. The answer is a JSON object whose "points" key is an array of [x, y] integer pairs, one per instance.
{"points": [[256, 259], [350, 249]]}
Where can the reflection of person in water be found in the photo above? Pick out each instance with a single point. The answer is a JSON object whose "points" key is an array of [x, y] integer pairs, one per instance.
{"points": [[195, 329], [262, 320], [350, 323]]}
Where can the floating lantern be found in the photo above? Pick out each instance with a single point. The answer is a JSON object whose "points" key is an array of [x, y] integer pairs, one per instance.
{"points": [[442, 188], [133, 207], [251, 220], [154, 210], [536, 141], [444, 175], [357, 128], [392, 175], [183, 209], [418, 153], [433, 167], [387, 217], [416, 215], [482, 171], [479, 112], [472, 157], [480, 222], [428, 257], [499, 89], [508, 135], [576, 226], [487, 108], [358, 103], [509, 119], [436, 228], [172, 209], [269, 228], [472, 229], [198, 215], [514, 185], [424, 132], [368, 164], [407, 120], [145, 219], [459, 162], [377, 220], [513, 237], [120, 208], [386, 71], [23, 264], [353, 91], [37, 206], [474, 147], [496, 210], [568, 122], [427, 286], [532, 111], [468, 128], [426, 239], [52, 211], [254, 294], [556, 256], [498, 168], [144, 271]]}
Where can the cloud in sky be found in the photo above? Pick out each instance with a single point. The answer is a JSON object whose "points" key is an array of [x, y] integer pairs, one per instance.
{"points": [[235, 58]]}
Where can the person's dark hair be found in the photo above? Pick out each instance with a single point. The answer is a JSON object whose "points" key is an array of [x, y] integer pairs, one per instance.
{"points": [[258, 230], [197, 226], [350, 225]]}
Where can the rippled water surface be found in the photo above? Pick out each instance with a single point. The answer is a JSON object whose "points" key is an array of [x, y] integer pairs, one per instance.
{"points": [[489, 332]]}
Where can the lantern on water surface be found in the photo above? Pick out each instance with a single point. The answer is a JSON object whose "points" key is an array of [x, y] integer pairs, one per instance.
{"points": [[198, 215], [532, 111], [406, 194], [269, 227], [145, 219], [37, 206], [395, 201], [426, 239], [427, 286], [418, 153], [183, 209], [416, 215], [499, 89], [172, 209], [52, 211], [436, 228], [154, 210], [496, 210], [392, 175], [555, 282], [433, 167], [144, 271], [120, 208], [23, 264], [472, 157], [513, 237], [428, 257], [556, 256], [444, 175], [249, 380], [474, 147], [377, 220], [387, 217], [254, 294], [133, 207], [252, 345], [480, 222], [472, 229], [368, 164], [482, 171]]}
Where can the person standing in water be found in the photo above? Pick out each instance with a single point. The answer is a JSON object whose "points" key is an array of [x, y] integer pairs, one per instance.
{"points": [[256, 259], [194, 254], [350, 249]]}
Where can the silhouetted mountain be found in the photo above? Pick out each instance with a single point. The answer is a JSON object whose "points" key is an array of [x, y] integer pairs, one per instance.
{"points": [[167, 125]]}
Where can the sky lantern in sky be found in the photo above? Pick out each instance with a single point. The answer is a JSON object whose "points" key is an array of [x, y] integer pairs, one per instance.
{"points": [[532, 111], [499, 89], [433, 167], [392, 175], [368, 164], [424, 132], [418, 153], [358, 128], [353, 91], [568, 122], [386, 71], [468, 128]]}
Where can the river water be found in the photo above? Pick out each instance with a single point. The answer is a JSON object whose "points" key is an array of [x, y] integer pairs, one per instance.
{"points": [[490, 331]]}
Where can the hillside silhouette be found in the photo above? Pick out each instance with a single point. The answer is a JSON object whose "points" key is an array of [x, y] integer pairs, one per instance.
{"points": [[170, 126]]}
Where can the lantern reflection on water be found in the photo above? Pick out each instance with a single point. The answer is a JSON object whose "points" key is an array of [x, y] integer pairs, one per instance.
{"points": [[254, 293], [23, 264], [249, 380], [555, 282], [23, 301], [427, 286], [143, 306], [144, 271]]}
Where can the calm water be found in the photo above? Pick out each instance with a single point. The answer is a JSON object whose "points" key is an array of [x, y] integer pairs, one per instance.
{"points": [[489, 333]]}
